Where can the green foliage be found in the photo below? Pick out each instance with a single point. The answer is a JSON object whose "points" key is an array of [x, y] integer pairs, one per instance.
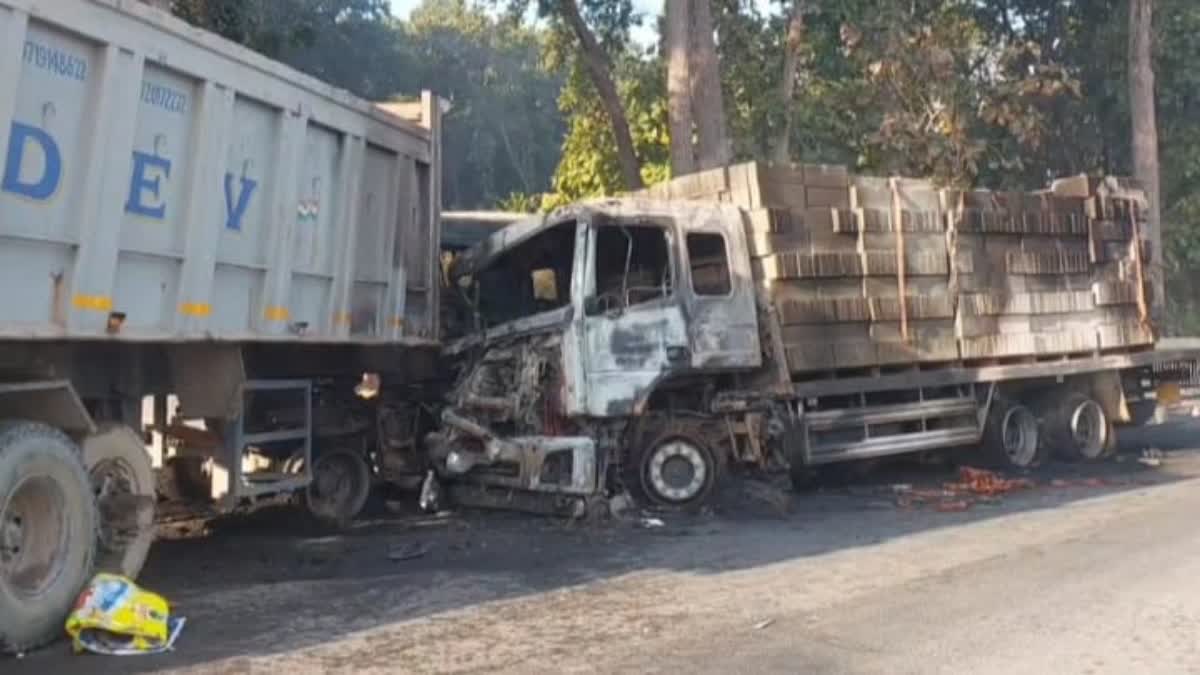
{"points": [[503, 131], [521, 202], [588, 166], [349, 43]]}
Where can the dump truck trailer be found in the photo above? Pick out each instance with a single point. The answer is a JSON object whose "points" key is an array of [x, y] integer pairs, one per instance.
{"points": [[202, 252], [797, 317]]}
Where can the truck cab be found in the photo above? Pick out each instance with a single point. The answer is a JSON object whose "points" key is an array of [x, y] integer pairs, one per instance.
{"points": [[581, 317]]}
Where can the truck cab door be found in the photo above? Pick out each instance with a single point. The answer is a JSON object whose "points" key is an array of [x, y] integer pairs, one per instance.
{"points": [[632, 331], [718, 290]]}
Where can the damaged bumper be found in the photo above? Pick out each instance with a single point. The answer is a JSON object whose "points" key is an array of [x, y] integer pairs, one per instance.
{"points": [[469, 451]]}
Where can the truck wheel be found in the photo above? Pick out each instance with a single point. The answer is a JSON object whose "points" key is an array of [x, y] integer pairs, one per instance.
{"points": [[47, 533], [122, 478], [1010, 438], [675, 469], [340, 486], [791, 440], [1078, 429]]}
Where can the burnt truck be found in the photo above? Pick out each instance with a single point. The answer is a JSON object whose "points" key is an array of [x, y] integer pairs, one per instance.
{"points": [[798, 318], [202, 252]]}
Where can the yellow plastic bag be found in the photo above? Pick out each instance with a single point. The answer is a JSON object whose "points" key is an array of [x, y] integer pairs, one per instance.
{"points": [[115, 616]]}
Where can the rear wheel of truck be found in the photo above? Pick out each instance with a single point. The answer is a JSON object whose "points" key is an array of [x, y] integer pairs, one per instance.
{"points": [[48, 524], [675, 468], [792, 441], [1010, 437], [122, 478], [1077, 429], [340, 486]]}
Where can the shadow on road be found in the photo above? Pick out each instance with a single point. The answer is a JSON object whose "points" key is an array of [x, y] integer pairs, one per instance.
{"points": [[267, 583]]}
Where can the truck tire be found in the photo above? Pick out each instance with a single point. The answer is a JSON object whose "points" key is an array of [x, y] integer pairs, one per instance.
{"points": [[674, 467], [123, 481], [339, 489], [1011, 437], [1076, 428], [48, 528]]}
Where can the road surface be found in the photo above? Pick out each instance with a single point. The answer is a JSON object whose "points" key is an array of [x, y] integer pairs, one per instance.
{"points": [[1076, 575]]}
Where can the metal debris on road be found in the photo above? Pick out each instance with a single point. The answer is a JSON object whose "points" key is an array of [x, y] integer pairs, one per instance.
{"points": [[651, 523], [765, 623]]}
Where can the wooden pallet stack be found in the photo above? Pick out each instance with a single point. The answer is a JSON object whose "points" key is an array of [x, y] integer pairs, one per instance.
{"points": [[866, 272]]}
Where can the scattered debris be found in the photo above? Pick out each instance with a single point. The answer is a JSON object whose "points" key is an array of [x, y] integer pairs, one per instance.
{"points": [[114, 616], [621, 505], [974, 486], [954, 506], [988, 483], [765, 623], [779, 500], [1152, 457], [430, 500], [407, 551], [1089, 483]]}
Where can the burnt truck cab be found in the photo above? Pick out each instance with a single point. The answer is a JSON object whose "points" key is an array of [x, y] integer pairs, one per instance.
{"points": [[581, 318]]}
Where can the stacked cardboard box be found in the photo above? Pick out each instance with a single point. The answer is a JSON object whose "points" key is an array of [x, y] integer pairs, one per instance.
{"points": [[867, 271]]}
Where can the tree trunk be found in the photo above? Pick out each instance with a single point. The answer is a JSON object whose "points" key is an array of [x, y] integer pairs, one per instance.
{"points": [[600, 70], [1145, 128], [781, 147], [712, 148], [677, 46]]}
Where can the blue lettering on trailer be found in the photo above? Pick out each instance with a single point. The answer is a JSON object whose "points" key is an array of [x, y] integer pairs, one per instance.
{"points": [[40, 187], [148, 174], [233, 214]]}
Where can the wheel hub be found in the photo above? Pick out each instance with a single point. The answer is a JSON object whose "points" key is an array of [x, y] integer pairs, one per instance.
{"points": [[677, 470], [32, 536], [1088, 428], [113, 483], [1020, 440]]}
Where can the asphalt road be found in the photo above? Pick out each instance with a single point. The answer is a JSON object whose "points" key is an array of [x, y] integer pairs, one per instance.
{"points": [[1091, 571]]}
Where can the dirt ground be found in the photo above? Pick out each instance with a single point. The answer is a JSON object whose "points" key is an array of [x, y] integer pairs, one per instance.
{"points": [[476, 591]]}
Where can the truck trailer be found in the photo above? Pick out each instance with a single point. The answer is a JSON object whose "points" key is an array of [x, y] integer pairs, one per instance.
{"points": [[219, 286], [796, 317]]}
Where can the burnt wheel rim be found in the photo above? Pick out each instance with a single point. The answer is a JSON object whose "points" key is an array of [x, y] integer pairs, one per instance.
{"points": [[677, 471], [1019, 436], [336, 486], [33, 536], [1089, 429], [112, 481]]}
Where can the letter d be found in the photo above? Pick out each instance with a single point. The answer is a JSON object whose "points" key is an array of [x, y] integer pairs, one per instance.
{"points": [[42, 188]]}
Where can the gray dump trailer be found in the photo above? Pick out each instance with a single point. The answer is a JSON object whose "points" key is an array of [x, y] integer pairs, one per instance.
{"points": [[201, 254]]}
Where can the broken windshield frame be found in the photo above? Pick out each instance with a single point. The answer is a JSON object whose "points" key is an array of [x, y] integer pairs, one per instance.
{"points": [[531, 278], [632, 264]]}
